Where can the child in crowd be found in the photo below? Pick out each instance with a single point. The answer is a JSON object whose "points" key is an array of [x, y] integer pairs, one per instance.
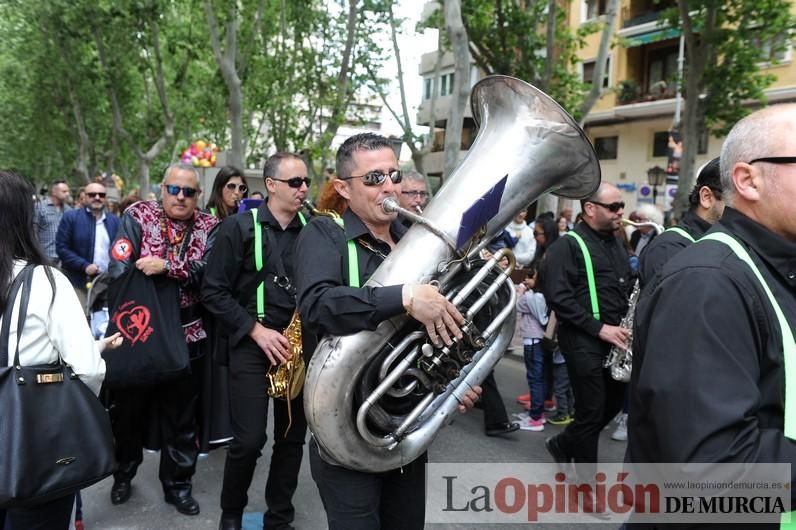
{"points": [[533, 319], [565, 399]]}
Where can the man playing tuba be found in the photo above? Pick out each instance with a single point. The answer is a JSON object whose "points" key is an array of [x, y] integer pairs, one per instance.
{"points": [[252, 295], [330, 302]]}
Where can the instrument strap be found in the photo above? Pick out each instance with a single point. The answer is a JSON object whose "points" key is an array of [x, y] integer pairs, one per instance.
{"points": [[258, 260], [788, 344], [680, 231], [353, 258], [213, 211], [595, 306]]}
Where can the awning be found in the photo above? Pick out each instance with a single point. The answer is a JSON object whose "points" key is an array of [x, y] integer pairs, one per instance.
{"points": [[652, 36]]}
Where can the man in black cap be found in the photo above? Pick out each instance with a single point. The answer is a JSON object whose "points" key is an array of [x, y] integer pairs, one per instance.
{"points": [[706, 208]]}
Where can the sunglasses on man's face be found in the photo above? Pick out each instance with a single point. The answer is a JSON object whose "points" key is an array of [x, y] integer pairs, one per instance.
{"points": [[241, 188], [294, 182], [377, 178], [93, 194], [173, 189], [612, 207]]}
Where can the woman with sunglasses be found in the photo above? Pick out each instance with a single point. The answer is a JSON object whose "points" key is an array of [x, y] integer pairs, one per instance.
{"points": [[228, 190]]}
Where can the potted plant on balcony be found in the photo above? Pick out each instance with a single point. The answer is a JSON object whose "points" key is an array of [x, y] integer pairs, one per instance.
{"points": [[628, 91]]}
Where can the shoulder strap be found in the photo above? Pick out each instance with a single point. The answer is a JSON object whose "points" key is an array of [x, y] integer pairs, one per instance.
{"points": [[595, 306], [353, 257], [258, 263], [5, 331], [788, 343], [681, 232]]}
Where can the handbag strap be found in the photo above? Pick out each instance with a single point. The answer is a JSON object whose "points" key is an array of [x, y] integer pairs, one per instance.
{"points": [[5, 332]]}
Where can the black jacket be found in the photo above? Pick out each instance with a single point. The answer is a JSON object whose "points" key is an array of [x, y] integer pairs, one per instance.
{"points": [[326, 302], [708, 371], [230, 280], [662, 248], [566, 289]]}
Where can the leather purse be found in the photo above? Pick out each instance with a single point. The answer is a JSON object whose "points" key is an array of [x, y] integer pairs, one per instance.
{"points": [[55, 435], [550, 339]]}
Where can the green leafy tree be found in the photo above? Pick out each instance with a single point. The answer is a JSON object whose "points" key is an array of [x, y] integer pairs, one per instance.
{"points": [[726, 41]]}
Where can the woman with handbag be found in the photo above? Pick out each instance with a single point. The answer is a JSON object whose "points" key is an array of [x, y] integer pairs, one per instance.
{"points": [[51, 332]]}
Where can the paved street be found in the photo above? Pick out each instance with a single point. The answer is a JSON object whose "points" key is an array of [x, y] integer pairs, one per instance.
{"points": [[463, 441]]}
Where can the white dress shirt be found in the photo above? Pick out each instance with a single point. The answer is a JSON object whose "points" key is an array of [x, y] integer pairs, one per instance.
{"points": [[60, 328]]}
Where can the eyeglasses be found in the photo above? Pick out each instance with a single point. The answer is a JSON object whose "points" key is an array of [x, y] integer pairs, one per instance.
{"points": [[100, 194], [776, 160], [294, 182], [613, 207], [231, 186], [415, 193], [377, 178], [175, 190], [538, 234]]}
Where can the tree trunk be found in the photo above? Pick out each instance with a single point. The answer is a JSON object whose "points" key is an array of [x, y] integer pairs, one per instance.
{"points": [[689, 130], [226, 61], [461, 85], [599, 66]]}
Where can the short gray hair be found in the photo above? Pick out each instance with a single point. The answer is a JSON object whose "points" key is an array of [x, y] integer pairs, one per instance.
{"points": [[183, 167], [750, 138]]}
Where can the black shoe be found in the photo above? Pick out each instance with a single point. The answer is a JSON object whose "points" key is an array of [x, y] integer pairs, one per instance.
{"points": [[120, 491], [556, 451], [185, 504], [230, 522], [496, 429]]}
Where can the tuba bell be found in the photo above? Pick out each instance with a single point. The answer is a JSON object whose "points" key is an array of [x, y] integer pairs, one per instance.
{"points": [[375, 400]]}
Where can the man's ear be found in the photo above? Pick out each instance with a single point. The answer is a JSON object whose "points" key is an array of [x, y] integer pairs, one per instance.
{"points": [[706, 197], [747, 179], [342, 189]]}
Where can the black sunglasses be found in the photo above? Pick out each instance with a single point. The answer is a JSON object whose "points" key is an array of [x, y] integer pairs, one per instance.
{"points": [[294, 182], [231, 186], [175, 190], [100, 194], [377, 178], [613, 207], [776, 160]]}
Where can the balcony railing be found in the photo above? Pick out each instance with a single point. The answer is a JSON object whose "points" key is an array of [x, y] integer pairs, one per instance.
{"points": [[650, 16]]}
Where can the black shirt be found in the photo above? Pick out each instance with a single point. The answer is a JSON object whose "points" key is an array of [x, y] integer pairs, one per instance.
{"points": [[326, 302], [708, 371], [662, 248], [567, 291], [229, 287]]}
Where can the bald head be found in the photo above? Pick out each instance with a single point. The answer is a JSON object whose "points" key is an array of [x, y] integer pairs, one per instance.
{"points": [[758, 177], [603, 210], [761, 134]]}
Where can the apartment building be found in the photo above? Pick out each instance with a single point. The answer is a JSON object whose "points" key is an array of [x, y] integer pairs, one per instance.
{"points": [[629, 126]]}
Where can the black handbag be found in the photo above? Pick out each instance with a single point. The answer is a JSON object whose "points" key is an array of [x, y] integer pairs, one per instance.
{"points": [[55, 435], [146, 311]]}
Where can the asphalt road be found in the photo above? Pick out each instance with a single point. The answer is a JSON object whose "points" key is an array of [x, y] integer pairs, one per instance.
{"points": [[463, 441]]}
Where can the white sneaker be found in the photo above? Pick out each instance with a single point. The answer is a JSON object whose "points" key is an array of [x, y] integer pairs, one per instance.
{"points": [[529, 424], [620, 434]]}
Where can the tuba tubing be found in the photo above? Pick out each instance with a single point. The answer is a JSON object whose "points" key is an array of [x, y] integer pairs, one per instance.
{"points": [[527, 138]]}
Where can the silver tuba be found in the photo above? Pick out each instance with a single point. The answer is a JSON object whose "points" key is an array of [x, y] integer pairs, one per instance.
{"points": [[620, 360], [375, 400]]}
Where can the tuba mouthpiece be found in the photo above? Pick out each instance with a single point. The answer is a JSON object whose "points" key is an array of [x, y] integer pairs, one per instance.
{"points": [[390, 205]]}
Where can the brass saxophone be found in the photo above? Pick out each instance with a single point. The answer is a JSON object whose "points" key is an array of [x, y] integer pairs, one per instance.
{"points": [[620, 360]]}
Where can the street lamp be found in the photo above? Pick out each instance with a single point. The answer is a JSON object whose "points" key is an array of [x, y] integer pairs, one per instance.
{"points": [[655, 177]]}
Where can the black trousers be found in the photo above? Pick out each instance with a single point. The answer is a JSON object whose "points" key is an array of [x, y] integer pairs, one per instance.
{"points": [[248, 398], [353, 500], [492, 402], [598, 397], [170, 408], [52, 515]]}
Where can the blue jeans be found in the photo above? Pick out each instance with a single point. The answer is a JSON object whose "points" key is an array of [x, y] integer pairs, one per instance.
{"points": [[534, 370]]}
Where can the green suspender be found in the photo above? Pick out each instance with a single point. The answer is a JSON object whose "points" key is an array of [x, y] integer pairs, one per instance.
{"points": [[595, 306], [678, 230], [353, 259], [258, 260], [788, 345], [213, 211]]}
